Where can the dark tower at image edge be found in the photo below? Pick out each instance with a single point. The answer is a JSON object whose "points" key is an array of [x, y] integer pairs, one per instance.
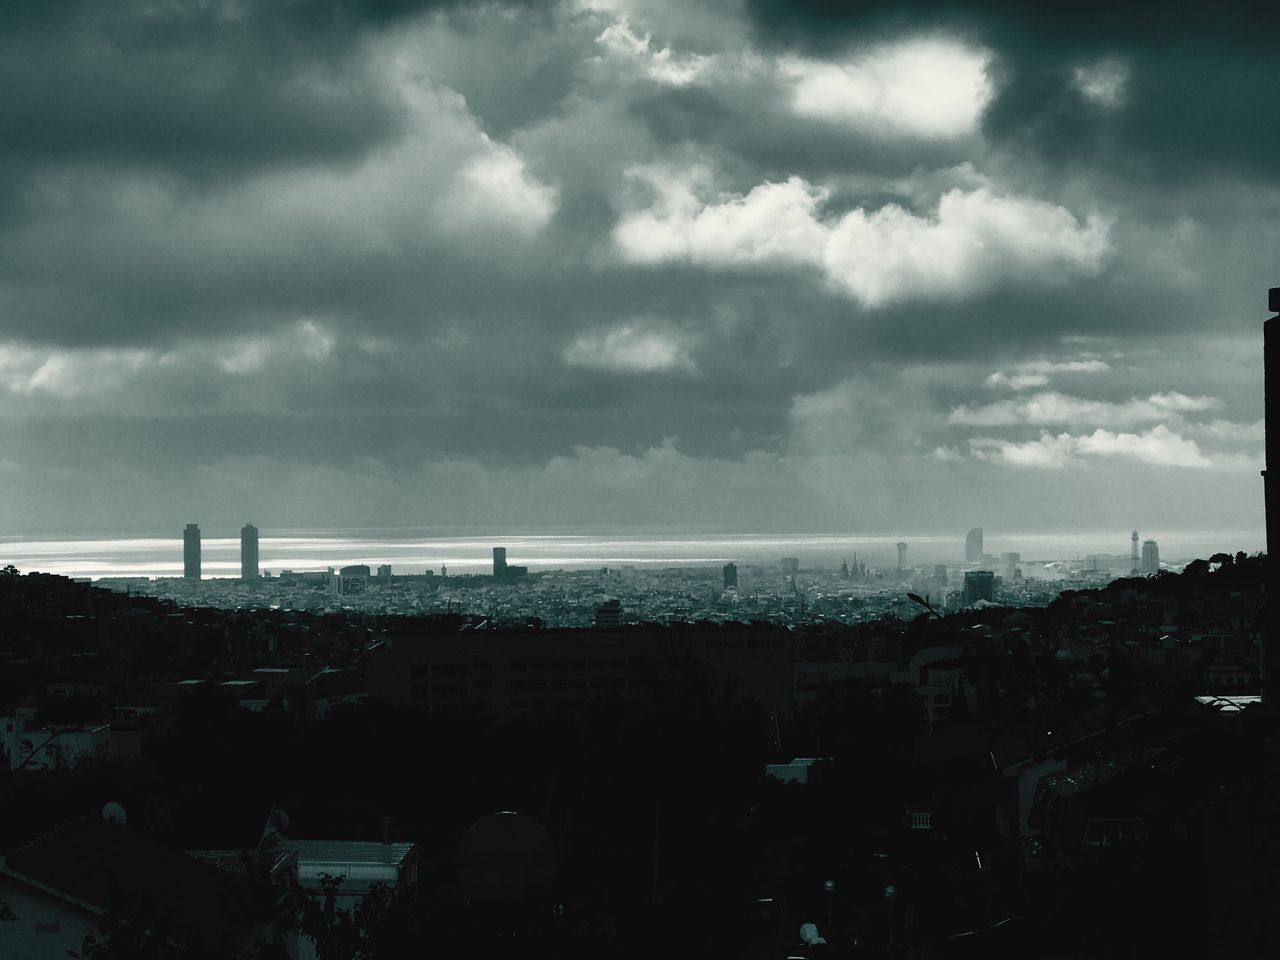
{"points": [[1271, 414]]}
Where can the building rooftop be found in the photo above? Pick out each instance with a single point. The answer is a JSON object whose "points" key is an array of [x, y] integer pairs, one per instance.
{"points": [[1229, 704], [349, 851]]}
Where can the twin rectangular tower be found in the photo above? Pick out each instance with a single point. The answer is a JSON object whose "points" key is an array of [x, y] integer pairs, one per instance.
{"points": [[248, 552]]}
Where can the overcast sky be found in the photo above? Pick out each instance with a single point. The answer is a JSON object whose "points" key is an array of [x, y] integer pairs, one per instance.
{"points": [[731, 265]]}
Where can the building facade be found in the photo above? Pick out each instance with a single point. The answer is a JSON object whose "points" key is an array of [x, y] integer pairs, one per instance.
{"points": [[730, 575], [50, 748], [1150, 558], [979, 585], [973, 546]]}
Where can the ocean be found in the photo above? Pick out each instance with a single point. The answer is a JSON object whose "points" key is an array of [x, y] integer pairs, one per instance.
{"points": [[410, 550]]}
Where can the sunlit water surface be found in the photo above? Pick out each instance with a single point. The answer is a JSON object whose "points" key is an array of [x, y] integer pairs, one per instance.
{"points": [[414, 551]]}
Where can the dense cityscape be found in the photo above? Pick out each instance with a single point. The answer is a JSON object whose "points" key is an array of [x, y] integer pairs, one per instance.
{"points": [[1038, 746], [782, 593]]}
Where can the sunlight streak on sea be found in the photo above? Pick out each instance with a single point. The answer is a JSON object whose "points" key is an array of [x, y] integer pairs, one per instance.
{"points": [[414, 551]]}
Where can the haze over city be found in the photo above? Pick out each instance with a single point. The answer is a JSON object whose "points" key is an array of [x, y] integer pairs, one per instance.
{"points": [[733, 267]]}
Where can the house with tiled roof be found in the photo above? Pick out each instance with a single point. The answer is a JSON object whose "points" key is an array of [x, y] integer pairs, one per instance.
{"points": [[55, 888]]}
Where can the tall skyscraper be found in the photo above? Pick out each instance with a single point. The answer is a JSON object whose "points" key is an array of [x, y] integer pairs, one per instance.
{"points": [[499, 563], [902, 556], [973, 546], [1011, 561], [248, 552], [1133, 553], [1150, 557], [730, 575], [191, 552]]}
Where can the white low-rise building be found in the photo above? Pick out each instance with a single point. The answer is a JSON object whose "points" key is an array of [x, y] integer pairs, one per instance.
{"points": [[50, 747]]}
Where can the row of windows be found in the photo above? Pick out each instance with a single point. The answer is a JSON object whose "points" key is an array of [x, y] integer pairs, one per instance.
{"points": [[528, 704], [421, 671], [611, 663], [751, 644], [422, 691]]}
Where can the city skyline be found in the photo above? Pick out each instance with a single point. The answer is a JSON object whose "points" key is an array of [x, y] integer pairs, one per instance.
{"points": [[473, 555], [747, 266]]}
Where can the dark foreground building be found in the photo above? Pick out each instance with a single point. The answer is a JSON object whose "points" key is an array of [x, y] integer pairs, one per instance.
{"points": [[444, 663]]}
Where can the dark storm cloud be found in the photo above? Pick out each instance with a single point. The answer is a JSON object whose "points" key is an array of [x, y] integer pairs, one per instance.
{"points": [[1200, 92], [363, 260], [199, 89]]}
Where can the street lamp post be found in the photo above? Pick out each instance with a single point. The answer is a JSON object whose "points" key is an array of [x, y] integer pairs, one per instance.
{"points": [[829, 886], [890, 892]]}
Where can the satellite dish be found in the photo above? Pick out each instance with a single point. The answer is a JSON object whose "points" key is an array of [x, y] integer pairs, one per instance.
{"points": [[114, 813]]}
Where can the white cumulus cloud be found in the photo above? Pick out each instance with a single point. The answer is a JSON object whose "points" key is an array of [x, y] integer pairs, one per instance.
{"points": [[1036, 373], [1103, 82], [923, 87], [661, 64], [629, 349], [1159, 445], [69, 373], [1043, 409], [496, 186], [248, 355], [975, 239]]}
